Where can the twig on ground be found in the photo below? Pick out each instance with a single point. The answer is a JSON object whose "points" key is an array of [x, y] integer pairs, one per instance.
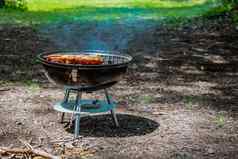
{"points": [[5, 89], [37, 152], [7, 151], [44, 154], [26, 144]]}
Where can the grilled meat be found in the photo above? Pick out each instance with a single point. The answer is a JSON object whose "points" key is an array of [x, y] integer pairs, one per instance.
{"points": [[76, 59]]}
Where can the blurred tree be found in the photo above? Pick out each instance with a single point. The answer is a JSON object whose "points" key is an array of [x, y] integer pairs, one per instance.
{"points": [[233, 2], [2, 3]]}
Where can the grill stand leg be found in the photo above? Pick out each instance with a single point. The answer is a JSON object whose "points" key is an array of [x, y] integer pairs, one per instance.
{"points": [[62, 118], [77, 109], [77, 125], [114, 117], [77, 115], [66, 97]]}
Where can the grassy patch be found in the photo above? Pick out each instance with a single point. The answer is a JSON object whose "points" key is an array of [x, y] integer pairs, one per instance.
{"points": [[220, 9], [189, 100], [220, 120], [46, 5], [5, 83], [32, 86], [142, 99], [192, 101], [147, 99], [54, 11]]}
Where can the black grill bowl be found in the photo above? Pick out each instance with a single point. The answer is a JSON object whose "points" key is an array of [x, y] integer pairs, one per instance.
{"points": [[76, 75]]}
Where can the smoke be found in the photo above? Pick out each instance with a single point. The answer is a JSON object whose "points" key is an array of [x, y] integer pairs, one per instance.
{"points": [[124, 36]]}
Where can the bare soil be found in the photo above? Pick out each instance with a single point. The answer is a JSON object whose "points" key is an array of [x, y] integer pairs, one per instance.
{"points": [[182, 104]]}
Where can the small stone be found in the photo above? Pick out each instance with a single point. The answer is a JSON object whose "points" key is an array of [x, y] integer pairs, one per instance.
{"points": [[69, 145], [38, 157], [151, 65], [210, 150], [159, 113], [18, 123], [134, 66], [35, 80]]}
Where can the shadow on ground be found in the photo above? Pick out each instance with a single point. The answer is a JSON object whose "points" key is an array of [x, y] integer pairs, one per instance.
{"points": [[102, 126], [199, 58]]}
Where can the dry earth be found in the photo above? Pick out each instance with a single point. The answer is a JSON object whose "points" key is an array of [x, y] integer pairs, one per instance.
{"points": [[181, 104]]}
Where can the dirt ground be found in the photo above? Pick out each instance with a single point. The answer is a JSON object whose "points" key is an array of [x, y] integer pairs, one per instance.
{"points": [[182, 104]]}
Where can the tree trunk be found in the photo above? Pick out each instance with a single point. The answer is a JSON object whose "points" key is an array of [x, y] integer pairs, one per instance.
{"points": [[2, 3]]}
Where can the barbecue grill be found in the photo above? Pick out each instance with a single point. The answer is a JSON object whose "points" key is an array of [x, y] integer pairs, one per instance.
{"points": [[78, 79], [74, 75]]}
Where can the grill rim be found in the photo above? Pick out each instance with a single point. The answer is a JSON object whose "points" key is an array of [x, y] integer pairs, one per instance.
{"points": [[129, 58]]}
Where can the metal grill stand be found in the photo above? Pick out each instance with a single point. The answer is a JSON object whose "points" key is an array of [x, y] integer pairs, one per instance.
{"points": [[79, 106]]}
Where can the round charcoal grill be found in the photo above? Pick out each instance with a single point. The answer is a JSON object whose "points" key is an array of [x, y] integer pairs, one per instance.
{"points": [[78, 78], [78, 75]]}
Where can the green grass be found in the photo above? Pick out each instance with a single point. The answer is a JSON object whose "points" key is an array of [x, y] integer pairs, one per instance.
{"points": [[32, 86], [46, 5], [193, 101], [220, 120], [146, 99], [189, 101], [4, 83], [54, 11]]}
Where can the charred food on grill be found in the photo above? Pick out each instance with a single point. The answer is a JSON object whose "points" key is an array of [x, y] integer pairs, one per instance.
{"points": [[75, 59]]}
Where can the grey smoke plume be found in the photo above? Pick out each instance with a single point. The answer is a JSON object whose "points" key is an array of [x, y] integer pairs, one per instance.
{"points": [[127, 36]]}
